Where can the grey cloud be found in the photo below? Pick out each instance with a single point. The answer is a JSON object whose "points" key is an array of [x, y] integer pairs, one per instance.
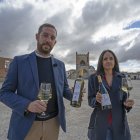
{"points": [[16, 28], [132, 53], [94, 49], [61, 21], [94, 16], [85, 26]]}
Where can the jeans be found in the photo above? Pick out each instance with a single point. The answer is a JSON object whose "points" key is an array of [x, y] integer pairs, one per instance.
{"points": [[109, 134]]}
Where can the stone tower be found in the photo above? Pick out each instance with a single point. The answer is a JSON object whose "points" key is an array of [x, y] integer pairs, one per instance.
{"points": [[82, 62]]}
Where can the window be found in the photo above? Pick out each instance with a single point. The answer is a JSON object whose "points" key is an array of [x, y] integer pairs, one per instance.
{"points": [[7, 62], [82, 63]]}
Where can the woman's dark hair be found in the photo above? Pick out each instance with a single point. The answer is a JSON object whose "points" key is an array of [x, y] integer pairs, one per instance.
{"points": [[100, 69], [46, 25]]}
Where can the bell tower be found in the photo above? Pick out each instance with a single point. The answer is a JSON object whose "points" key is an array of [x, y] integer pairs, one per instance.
{"points": [[82, 62]]}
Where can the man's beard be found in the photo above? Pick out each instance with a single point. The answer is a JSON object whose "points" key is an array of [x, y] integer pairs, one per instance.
{"points": [[44, 49]]}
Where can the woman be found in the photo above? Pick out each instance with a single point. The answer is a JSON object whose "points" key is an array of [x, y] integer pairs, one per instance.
{"points": [[108, 124]]}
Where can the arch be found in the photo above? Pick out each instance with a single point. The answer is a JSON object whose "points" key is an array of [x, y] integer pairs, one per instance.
{"points": [[82, 63]]}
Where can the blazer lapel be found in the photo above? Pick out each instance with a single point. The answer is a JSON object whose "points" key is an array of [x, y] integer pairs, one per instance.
{"points": [[33, 64], [55, 70], [115, 81], [105, 84]]}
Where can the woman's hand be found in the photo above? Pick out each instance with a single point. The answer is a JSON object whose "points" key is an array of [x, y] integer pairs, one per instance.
{"points": [[129, 103], [98, 97]]}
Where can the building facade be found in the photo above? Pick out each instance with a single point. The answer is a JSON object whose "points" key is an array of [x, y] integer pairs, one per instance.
{"points": [[82, 62], [134, 76], [4, 65]]}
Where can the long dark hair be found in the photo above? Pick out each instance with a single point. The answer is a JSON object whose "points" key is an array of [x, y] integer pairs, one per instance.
{"points": [[100, 69]]}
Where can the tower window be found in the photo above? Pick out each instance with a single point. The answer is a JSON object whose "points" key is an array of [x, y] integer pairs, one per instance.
{"points": [[82, 63]]}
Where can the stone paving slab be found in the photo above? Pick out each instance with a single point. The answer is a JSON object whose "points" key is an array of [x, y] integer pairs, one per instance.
{"points": [[78, 118]]}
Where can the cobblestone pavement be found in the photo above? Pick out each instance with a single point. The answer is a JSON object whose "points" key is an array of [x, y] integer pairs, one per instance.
{"points": [[78, 118]]}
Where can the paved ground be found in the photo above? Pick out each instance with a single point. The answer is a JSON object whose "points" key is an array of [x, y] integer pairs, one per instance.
{"points": [[78, 118]]}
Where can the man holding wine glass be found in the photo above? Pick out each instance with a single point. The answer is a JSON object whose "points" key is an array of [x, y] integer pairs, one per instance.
{"points": [[34, 115]]}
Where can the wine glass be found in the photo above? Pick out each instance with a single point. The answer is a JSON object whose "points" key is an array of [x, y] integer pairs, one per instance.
{"points": [[130, 86], [45, 94], [126, 85]]}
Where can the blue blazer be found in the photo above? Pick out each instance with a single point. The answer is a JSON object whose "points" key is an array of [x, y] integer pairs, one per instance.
{"points": [[98, 124], [21, 87]]}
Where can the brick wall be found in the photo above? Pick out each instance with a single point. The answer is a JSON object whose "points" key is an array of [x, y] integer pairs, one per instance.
{"points": [[4, 64]]}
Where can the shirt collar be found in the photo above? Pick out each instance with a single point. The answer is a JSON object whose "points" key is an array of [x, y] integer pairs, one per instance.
{"points": [[42, 56]]}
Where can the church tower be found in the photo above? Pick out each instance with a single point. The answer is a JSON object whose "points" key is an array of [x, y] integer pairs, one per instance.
{"points": [[82, 62]]}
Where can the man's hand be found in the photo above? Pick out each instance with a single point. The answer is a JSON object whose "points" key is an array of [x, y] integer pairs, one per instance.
{"points": [[37, 106], [83, 92]]}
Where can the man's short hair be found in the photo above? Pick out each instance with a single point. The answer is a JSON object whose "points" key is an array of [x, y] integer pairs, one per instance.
{"points": [[46, 25]]}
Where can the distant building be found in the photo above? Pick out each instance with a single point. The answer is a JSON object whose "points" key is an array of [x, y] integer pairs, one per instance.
{"points": [[91, 70], [82, 62], [4, 65], [71, 74], [134, 76]]}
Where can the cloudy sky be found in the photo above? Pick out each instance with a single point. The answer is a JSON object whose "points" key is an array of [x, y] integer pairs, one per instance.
{"points": [[83, 26]]}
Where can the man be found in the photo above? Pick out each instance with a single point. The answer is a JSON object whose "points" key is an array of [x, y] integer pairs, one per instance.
{"points": [[21, 87]]}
